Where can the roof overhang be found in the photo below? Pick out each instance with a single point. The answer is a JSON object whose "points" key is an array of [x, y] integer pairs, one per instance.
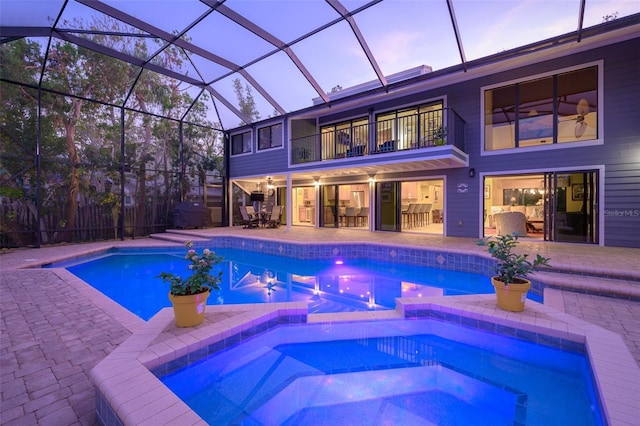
{"points": [[389, 166]]}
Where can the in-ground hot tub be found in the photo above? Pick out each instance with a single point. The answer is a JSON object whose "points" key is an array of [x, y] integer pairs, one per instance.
{"points": [[128, 392]]}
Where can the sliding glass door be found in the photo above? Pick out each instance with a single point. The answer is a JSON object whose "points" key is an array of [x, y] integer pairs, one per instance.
{"points": [[572, 206], [555, 206], [388, 196], [410, 206], [329, 215]]}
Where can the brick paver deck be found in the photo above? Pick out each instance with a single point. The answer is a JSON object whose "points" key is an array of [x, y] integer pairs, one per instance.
{"points": [[52, 336], [54, 331]]}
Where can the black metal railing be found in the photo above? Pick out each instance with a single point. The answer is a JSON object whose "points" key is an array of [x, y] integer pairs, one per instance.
{"points": [[409, 132]]}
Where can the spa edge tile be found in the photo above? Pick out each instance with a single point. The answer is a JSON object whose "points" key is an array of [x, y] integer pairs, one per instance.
{"points": [[141, 409], [142, 386]]}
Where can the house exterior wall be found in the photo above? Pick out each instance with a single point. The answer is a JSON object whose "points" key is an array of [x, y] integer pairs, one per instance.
{"points": [[260, 162], [618, 156]]}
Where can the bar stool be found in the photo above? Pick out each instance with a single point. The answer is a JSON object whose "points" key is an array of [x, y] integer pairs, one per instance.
{"points": [[363, 216], [350, 213]]}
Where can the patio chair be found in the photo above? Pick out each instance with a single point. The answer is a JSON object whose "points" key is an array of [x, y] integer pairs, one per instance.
{"points": [[274, 218], [247, 220], [356, 151]]}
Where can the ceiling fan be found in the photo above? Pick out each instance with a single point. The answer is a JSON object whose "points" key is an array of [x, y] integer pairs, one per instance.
{"points": [[582, 109]]}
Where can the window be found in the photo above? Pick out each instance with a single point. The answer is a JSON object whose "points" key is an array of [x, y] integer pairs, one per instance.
{"points": [[559, 108], [241, 143], [270, 137], [409, 128], [339, 139]]}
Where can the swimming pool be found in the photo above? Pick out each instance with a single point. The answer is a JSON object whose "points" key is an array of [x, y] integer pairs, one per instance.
{"points": [[387, 372], [129, 277]]}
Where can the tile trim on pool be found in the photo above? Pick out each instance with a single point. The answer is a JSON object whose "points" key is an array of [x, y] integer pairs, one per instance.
{"points": [[449, 259], [127, 392]]}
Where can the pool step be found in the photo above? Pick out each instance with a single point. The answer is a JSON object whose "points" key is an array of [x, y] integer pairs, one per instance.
{"points": [[373, 391]]}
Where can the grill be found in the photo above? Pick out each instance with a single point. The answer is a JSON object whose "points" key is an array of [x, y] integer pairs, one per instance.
{"points": [[190, 215]]}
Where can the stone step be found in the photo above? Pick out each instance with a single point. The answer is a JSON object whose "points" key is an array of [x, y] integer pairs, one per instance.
{"points": [[602, 286], [178, 237]]}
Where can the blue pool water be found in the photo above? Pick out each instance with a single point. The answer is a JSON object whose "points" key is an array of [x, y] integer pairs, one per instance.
{"points": [[401, 372], [130, 278]]}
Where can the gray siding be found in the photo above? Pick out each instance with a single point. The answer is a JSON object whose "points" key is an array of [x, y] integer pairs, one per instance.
{"points": [[620, 153], [261, 163]]}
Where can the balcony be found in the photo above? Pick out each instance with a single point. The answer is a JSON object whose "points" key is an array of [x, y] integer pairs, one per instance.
{"points": [[405, 133]]}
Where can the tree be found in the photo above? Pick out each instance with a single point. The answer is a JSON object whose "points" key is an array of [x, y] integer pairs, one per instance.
{"points": [[81, 139], [245, 101], [89, 75]]}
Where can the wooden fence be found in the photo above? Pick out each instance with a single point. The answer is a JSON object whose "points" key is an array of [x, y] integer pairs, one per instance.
{"points": [[19, 224]]}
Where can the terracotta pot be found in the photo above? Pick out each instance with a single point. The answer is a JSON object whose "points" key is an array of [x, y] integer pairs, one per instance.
{"points": [[189, 309], [511, 297]]}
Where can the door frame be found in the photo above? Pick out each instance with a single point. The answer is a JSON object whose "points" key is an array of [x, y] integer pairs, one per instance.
{"points": [[598, 201]]}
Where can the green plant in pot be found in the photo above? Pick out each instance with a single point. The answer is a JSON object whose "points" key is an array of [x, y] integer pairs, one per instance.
{"points": [[510, 281], [189, 295], [439, 136]]}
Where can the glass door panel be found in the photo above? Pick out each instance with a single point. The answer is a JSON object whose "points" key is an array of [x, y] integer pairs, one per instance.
{"points": [[329, 214], [388, 206], [572, 206], [303, 209]]}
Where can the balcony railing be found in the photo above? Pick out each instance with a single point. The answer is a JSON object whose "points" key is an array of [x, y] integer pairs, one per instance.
{"points": [[410, 132]]}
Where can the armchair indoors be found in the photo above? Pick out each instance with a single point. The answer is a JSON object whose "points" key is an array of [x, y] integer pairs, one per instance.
{"points": [[510, 223]]}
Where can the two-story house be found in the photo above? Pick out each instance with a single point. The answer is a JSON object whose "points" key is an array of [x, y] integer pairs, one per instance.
{"points": [[542, 140]]}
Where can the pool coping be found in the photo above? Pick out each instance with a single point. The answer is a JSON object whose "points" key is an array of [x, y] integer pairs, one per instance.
{"points": [[559, 276], [127, 391]]}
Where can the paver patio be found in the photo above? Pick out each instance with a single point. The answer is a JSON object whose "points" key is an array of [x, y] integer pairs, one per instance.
{"points": [[55, 329]]}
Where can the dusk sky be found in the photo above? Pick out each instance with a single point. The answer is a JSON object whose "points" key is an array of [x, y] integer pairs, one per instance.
{"points": [[401, 34]]}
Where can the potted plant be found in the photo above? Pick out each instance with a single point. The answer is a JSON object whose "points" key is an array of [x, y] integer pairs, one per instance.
{"points": [[189, 295], [439, 136], [510, 282]]}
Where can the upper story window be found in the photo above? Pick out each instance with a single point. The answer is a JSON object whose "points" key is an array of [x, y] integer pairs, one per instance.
{"points": [[344, 138], [409, 128], [241, 143], [270, 136], [554, 109]]}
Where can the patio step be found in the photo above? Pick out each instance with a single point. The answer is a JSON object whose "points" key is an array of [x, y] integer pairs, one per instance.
{"points": [[602, 286], [178, 237]]}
